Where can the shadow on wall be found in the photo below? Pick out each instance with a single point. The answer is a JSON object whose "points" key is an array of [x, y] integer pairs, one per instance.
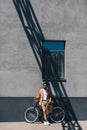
{"points": [[35, 38], [61, 99], [31, 27]]}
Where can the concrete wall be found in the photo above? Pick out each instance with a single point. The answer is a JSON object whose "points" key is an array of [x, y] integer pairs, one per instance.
{"points": [[23, 26], [67, 20], [19, 71], [13, 109], [20, 74]]}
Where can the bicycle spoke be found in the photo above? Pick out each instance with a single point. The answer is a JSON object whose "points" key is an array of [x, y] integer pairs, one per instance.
{"points": [[31, 114], [57, 114]]}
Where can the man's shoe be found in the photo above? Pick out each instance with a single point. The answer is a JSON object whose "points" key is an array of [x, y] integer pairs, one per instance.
{"points": [[47, 123]]}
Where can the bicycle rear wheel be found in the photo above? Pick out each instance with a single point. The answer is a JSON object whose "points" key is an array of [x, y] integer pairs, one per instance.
{"points": [[57, 114], [31, 114]]}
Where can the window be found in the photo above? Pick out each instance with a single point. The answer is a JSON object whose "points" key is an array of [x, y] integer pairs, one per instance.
{"points": [[53, 61]]}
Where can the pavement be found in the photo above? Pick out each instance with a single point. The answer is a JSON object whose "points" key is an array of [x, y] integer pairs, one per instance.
{"points": [[40, 126]]}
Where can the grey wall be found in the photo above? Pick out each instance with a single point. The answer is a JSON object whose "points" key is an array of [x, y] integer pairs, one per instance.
{"points": [[13, 109], [67, 20], [19, 71], [20, 75]]}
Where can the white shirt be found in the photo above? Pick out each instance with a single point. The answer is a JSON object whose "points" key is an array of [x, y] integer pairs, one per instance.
{"points": [[44, 94]]}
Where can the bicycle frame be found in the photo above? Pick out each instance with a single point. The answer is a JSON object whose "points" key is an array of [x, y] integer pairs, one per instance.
{"points": [[35, 113], [38, 107]]}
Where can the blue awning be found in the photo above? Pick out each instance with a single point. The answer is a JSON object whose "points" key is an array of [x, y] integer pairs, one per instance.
{"points": [[54, 45]]}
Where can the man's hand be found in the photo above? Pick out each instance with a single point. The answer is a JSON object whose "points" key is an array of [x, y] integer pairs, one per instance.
{"points": [[34, 98]]}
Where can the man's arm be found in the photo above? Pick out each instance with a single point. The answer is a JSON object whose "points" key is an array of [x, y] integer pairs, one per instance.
{"points": [[39, 95]]}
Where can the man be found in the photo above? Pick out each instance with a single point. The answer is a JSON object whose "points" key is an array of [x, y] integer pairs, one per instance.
{"points": [[44, 100]]}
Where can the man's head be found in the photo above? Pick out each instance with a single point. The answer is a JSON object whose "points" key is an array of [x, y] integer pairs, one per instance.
{"points": [[45, 85]]}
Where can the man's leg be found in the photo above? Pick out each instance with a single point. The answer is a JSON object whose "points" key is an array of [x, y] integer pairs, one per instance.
{"points": [[48, 109], [44, 110], [44, 107]]}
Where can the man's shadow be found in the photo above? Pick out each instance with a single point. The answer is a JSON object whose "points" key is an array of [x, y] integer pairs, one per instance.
{"points": [[35, 37]]}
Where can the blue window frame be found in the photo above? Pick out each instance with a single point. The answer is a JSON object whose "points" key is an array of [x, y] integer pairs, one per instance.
{"points": [[53, 60]]}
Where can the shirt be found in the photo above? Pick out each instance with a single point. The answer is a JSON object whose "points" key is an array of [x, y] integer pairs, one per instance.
{"points": [[44, 94]]}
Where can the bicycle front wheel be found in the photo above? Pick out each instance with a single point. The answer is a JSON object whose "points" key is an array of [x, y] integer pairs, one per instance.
{"points": [[31, 114], [57, 114]]}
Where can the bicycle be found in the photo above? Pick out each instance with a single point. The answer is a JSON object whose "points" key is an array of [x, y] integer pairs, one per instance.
{"points": [[33, 114]]}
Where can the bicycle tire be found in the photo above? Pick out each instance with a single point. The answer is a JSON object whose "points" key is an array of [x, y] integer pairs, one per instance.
{"points": [[57, 114], [31, 115]]}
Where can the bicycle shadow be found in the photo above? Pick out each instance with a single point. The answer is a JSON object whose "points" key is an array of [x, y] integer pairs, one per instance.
{"points": [[35, 37]]}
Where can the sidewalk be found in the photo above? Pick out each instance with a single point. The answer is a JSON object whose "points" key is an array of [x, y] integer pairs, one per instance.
{"points": [[37, 126]]}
